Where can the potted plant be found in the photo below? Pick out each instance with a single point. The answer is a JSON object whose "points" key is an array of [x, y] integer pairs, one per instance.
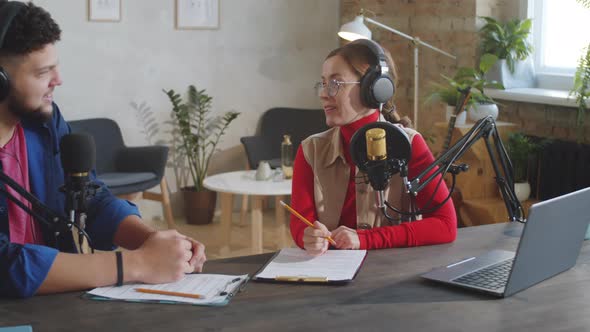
{"points": [[520, 149], [151, 129], [480, 104], [581, 90], [196, 139], [448, 93], [509, 42]]}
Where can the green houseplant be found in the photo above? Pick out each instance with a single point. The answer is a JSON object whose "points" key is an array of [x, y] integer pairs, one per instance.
{"points": [[581, 90], [509, 42], [195, 137], [449, 94], [520, 149], [482, 104], [506, 40]]}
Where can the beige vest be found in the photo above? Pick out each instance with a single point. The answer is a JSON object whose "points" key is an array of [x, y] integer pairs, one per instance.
{"points": [[323, 152]]}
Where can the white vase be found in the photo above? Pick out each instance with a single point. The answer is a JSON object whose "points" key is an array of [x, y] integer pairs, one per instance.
{"points": [[263, 172], [522, 191], [460, 120], [480, 111]]}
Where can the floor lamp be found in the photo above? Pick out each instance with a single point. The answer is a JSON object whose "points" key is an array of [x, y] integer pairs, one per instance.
{"points": [[357, 29]]}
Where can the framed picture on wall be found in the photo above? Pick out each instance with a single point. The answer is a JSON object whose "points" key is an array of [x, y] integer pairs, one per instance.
{"points": [[104, 10], [197, 14]]}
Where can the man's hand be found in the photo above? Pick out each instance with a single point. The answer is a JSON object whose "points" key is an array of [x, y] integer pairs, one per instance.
{"points": [[314, 239], [199, 258], [165, 257], [346, 238]]}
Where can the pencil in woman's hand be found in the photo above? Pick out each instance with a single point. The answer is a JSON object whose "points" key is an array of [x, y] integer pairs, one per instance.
{"points": [[302, 218]]}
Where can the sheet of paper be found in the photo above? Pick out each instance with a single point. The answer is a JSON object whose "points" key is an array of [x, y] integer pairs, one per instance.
{"points": [[336, 265], [213, 287]]}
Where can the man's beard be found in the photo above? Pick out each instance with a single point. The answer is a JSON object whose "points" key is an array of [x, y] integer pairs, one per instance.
{"points": [[15, 106]]}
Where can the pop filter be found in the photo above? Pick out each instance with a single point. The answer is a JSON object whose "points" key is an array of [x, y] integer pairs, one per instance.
{"points": [[397, 144]]}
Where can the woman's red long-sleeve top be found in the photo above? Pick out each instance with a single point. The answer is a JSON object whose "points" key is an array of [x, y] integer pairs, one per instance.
{"points": [[437, 227]]}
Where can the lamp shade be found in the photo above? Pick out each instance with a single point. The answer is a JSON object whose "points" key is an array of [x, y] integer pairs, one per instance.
{"points": [[355, 29]]}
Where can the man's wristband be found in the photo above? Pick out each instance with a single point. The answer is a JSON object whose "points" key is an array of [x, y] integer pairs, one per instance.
{"points": [[119, 256]]}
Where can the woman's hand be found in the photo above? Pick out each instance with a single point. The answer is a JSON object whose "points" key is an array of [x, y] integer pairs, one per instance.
{"points": [[346, 238], [314, 239]]}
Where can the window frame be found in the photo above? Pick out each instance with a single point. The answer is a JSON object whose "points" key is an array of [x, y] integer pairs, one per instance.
{"points": [[547, 77]]}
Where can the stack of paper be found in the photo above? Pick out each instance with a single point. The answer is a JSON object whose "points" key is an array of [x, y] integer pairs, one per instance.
{"points": [[214, 289], [294, 264]]}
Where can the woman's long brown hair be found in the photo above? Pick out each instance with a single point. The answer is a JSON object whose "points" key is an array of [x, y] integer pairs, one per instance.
{"points": [[360, 58]]}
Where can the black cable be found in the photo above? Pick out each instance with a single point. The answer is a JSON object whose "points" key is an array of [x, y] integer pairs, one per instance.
{"points": [[87, 237], [423, 211]]}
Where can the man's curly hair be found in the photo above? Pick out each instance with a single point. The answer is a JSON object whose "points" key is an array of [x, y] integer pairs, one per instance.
{"points": [[30, 30]]}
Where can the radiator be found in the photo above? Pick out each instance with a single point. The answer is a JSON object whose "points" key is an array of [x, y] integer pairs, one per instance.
{"points": [[561, 167]]}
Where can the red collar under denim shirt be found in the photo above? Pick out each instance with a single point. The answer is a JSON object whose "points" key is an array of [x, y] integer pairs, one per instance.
{"points": [[13, 156]]}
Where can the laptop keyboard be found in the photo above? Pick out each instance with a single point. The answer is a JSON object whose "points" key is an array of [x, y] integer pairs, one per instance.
{"points": [[492, 277]]}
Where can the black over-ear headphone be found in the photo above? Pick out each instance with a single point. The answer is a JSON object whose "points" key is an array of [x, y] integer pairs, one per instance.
{"points": [[377, 86], [7, 13]]}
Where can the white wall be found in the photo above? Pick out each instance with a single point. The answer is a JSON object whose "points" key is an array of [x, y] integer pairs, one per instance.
{"points": [[265, 53]]}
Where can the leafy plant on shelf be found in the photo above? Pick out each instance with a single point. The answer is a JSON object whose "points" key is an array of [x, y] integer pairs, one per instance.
{"points": [[463, 78], [506, 40], [475, 78]]}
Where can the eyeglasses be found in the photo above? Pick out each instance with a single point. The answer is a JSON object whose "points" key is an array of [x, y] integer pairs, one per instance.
{"points": [[331, 87]]}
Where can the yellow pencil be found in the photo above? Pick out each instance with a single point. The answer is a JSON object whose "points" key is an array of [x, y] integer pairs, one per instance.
{"points": [[302, 218], [162, 292]]}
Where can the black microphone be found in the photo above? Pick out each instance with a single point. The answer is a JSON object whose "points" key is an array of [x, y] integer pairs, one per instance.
{"points": [[78, 156], [380, 150]]}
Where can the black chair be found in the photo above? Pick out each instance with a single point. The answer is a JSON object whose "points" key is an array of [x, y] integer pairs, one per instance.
{"points": [[276, 122], [299, 123], [128, 172]]}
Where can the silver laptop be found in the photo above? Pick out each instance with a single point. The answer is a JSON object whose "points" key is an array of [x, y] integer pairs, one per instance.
{"points": [[549, 244]]}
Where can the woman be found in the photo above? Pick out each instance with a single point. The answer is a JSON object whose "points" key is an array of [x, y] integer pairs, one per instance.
{"points": [[326, 187]]}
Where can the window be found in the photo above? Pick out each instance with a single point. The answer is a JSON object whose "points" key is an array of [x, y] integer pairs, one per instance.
{"points": [[560, 32]]}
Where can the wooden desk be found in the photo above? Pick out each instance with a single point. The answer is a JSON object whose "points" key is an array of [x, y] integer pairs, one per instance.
{"points": [[387, 294]]}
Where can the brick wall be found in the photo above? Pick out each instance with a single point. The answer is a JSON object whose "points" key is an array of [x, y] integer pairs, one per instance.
{"points": [[452, 25], [545, 120], [445, 24]]}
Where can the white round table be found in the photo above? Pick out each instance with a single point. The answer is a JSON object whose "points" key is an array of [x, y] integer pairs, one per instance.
{"points": [[244, 183]]}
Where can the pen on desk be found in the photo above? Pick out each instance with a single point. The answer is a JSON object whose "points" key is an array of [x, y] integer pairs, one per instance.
{"points": [[302, 218], [163, 292]]}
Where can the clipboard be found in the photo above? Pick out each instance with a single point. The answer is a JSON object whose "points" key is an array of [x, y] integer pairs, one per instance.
{"points": [[222, 297], [318, 278]]}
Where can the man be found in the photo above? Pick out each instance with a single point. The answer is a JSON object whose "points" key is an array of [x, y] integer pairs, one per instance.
{"points": [[32, 259]]}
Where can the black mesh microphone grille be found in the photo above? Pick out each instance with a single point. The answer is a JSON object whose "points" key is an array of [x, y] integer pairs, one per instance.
{"points": [[78, 153]]}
